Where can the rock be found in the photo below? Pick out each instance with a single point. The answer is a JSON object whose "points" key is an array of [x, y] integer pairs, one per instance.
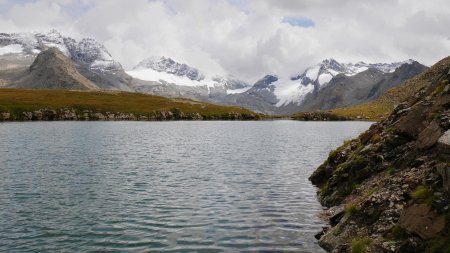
{"points": [[27, 115], [444, 171], [336, 214], [447, 88], [98, 116], [49, 114], [320, 234], [430, 135], [110, 116], [412, 245], [67, 114], [443, 145], [5, 115], [420, 220], [37, 115], [412, 123]]}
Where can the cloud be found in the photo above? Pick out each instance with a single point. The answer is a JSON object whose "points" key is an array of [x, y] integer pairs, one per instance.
{"points": [[247, 39]]}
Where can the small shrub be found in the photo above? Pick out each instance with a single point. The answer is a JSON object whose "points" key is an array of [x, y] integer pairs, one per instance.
{"points": [[398, 233], [333, 154], [421, 192], [359, 245], [391, 170], [352, 210], [376, 138]]}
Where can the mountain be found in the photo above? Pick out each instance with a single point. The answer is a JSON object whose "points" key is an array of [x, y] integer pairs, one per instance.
{"points": [[50, 70], [320, 74], [383, 105], [326, 85], [272, 94], [169, 66], [18, 50], [347, 90], [165, 77], [389, 189]]}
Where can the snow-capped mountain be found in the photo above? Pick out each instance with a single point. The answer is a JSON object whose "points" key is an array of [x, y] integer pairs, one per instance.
{"points": [[87, 50], [321, 73], [328, 84], [169, 66], [351, 83], [164, 70], [294, 89], [92, 58]]}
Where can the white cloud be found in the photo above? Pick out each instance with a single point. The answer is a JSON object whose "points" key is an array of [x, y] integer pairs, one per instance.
{"points": [[246, 38]]}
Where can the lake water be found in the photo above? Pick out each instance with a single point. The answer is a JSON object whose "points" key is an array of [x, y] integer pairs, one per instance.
{"points": [[204, 186]]}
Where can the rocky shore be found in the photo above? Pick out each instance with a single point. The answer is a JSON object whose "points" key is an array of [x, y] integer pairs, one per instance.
{"points": [[73, 114], [321, 116], [389, 189]]}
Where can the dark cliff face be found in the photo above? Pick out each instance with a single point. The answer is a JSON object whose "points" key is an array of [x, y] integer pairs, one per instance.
{"points": [[389, 189]]}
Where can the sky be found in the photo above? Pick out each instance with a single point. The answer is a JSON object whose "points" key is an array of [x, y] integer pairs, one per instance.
{"points": [[245, 38]]}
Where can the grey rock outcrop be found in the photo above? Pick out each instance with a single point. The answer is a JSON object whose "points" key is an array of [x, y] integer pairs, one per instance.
{"points": [[394, 179]]}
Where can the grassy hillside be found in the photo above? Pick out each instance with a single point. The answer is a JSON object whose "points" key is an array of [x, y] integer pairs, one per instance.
{"points": [[18, 101]]}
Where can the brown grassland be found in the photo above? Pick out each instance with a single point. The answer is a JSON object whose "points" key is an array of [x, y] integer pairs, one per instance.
{"points": [[17, 101]]}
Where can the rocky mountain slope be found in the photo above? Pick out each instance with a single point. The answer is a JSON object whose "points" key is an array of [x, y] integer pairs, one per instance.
{"points": [[92, 60], [389, 189], [382, 106], [343, 91], [50, 70]]}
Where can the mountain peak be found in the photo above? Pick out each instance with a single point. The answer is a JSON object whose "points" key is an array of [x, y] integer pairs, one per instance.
{"points": [[265, 81], [54, 33], [52, 69], [168, 65]]}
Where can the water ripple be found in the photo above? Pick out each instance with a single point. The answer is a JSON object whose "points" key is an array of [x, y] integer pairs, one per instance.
{"points": [[162, 186]]}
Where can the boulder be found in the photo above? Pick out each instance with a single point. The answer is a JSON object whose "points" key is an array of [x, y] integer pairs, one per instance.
{"points": [[5, 115], [430, 135], [444, 171], [443, 145], [27, 115], [98, 116], [418, 219], [337, 213], [37, 115]]}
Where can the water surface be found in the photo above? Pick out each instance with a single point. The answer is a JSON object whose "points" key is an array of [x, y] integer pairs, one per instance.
{"points": [[207, 186]]}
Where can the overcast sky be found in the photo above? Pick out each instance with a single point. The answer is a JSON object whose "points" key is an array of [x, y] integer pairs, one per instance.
{"points": [[246, 38]]}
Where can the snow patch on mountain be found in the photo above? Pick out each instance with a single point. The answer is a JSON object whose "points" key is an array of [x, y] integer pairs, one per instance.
{"points": [[237, 91], [11, 49], [167, 65], [163, 77], [167, 71], [321, 73], [288, 91]]}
